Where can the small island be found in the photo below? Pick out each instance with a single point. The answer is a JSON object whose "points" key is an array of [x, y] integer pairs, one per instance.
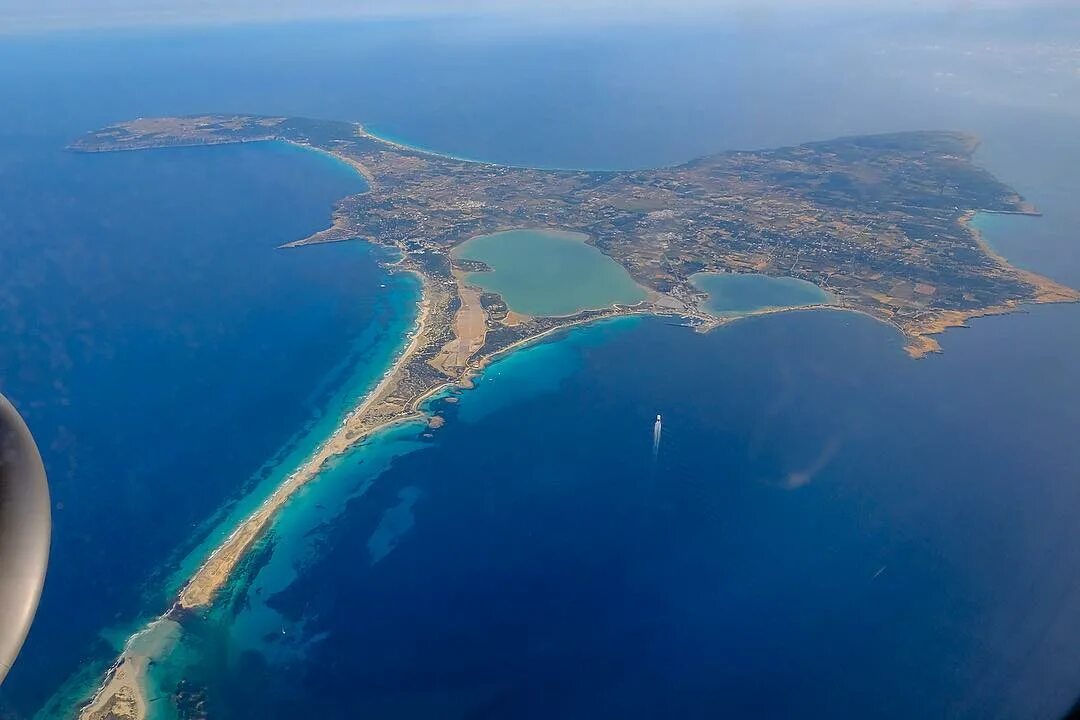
{"points": [[879, 224]]}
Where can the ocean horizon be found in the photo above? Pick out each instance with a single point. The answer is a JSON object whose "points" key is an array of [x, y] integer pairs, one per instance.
{"points": [[828, 527]]}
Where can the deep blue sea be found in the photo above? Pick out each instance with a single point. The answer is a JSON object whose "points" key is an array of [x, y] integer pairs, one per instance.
{"points": [[150, 324], [829, 528]]}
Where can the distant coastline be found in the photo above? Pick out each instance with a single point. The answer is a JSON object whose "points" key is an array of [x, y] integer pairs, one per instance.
{"points": [[438, 353]]}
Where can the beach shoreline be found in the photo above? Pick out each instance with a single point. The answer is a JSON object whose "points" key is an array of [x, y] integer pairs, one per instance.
{"points": [[123, 692], [413, 378], [215, 571], [124, 684]]}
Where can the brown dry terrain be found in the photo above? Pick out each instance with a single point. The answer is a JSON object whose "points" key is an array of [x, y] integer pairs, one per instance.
{"points": [[881, 222], [878, 221]]}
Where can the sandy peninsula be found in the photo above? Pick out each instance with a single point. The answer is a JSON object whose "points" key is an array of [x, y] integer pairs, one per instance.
{"points": [[719, 213]]}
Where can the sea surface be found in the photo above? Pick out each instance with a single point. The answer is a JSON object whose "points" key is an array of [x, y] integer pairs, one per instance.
{"points": [[170, 359], [741, 293], [828, 528], [549, 273]]}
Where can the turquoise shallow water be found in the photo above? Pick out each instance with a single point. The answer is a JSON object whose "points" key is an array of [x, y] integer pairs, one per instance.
{"points": [[247, 623], [150, 323], [830, 529], [541, 562], [543, 272], [738, 294]]}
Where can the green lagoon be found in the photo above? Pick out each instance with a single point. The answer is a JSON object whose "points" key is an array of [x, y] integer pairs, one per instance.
{"points": [[739, 293], [548, 273]]}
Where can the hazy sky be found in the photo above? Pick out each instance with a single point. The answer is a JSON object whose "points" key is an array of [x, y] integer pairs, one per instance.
{"points": [[38, 15]]}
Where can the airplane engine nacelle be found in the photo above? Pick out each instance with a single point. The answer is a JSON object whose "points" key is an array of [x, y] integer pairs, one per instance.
{"points": [[25, 529]]}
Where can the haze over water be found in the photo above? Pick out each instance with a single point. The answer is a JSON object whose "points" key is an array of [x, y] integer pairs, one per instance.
{"points": [[832, 528]]}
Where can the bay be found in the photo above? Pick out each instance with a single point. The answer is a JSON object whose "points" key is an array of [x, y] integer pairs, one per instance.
{"points": [[830, 527]]}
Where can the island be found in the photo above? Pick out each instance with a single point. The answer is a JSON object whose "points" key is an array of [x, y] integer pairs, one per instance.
{"points": [[880, 223]]}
